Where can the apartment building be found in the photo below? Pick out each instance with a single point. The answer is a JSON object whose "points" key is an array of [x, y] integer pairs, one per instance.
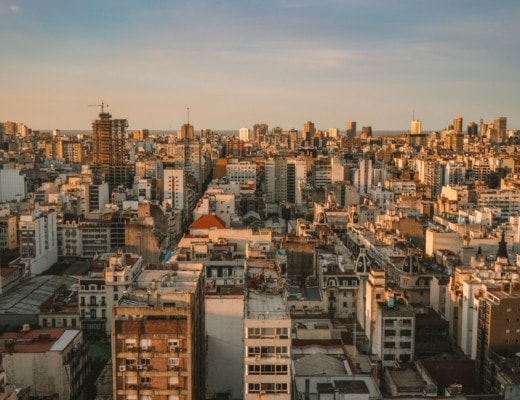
{"points": [[267, 341], [51, 363], [37, 232], [158, 336]]}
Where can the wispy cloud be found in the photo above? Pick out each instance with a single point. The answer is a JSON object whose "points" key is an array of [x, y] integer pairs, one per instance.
{"points": [[15, 8]]}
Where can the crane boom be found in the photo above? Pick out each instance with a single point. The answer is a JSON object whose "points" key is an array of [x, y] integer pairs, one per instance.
{"points": [[102, 105]]}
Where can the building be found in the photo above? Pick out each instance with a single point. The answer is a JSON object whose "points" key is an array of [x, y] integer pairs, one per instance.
{"points": [[158, 336], [12, 184], [51, 363], [498, 331], [243, 172], [8, 230], [415, 127], [267, 343], [351, 129], [243, 134], [38, 239], [308, 131], [109, 155], [457, 124]]}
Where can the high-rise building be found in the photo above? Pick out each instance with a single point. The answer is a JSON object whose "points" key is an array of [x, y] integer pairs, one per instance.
{"points": [[308, 130], [415, 127], [243, 134], [472, 129], [108, 151], [333, 133], [351, 128], [186, 132], [500, 124], [366, 132], [267, 341], [174, 188], [260, 132], [457, 124], [158, 336], [38, 239]]}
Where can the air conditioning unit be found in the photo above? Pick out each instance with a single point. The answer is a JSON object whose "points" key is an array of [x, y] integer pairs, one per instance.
{"points": [[130, 367], [139, 367], [122, 368], [145, 367], [173, 348]]}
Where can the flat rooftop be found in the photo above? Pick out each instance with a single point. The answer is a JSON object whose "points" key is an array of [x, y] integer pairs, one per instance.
{"points": [[27, 296], [261, 305]]}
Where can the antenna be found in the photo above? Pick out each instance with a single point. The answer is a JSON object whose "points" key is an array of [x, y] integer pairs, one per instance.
{"points": [[188, 113], [102, 105]]}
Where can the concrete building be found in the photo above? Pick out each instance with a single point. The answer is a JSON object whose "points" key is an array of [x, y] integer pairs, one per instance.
{"points": [[415, 127], [38, 239], [244, 134], [225, 332], [158, 335], [109, 155], [267, 344], [51, 363], [351, 129], [12, 184], [8, 230], [243, 172]]}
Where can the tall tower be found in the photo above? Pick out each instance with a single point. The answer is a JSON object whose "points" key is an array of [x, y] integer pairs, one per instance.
{"points": [[108, 150], [415, 127], [500, 124], [457, 124], [308, 130], [351, 128]]}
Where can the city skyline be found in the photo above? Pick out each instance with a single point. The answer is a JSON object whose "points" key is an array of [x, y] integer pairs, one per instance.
{"points": [[281, 62]]}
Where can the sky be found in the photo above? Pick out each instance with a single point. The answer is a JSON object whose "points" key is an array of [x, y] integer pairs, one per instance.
{"points": [[235, 63]]}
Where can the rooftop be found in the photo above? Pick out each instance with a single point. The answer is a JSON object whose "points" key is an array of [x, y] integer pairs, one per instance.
{"points": [[37, 340], [261, 305]]}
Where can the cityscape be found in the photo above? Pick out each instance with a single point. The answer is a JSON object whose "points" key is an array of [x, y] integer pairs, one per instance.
{"points": [[269, 263], [259, 200]]}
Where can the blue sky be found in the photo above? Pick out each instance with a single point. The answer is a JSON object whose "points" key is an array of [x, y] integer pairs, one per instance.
{"points": [[239, 62]]}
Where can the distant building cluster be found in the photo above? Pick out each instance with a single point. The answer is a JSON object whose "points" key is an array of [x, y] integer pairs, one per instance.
{"points": [[272, 263]]}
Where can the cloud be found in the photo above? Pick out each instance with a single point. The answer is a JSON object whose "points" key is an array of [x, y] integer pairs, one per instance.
{"points": [[15, 8]]}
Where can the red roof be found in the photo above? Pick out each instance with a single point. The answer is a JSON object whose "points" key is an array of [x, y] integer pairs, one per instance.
{"points": [[32, 341], [208, 221]]}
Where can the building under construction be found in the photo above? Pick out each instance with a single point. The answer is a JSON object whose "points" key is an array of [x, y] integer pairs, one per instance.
{"points": [[108, 150]]}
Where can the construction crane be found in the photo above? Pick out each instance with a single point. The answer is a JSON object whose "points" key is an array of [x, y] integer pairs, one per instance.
{"points": [[102, 105]]}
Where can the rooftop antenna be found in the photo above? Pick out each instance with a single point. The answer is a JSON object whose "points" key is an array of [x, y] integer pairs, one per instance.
{"points": [[188, 113], [102, 105]]}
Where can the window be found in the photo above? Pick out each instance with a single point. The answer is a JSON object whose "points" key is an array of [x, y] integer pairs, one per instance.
{"points": [[44, 322], [145, 380], [145, 361]]}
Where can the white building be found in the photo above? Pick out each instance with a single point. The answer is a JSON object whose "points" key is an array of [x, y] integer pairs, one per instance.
{"points": [[267, 341], [38, 239], [241, 171], [220, 204], [12, 185], [225, 330], [243, 134], [174, 187], [363, 176]]}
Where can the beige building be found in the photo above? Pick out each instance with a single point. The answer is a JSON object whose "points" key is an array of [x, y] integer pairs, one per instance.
{"points": [[52, 363], [267, 341], [158, 336]]}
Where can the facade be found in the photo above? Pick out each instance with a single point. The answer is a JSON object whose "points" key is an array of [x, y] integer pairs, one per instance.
{"points": [[243, 172], [12, 185], [267, 341], [174, 188], [38, 239], [244, 134], [51, 363], [158, 336], [109, 155]]}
